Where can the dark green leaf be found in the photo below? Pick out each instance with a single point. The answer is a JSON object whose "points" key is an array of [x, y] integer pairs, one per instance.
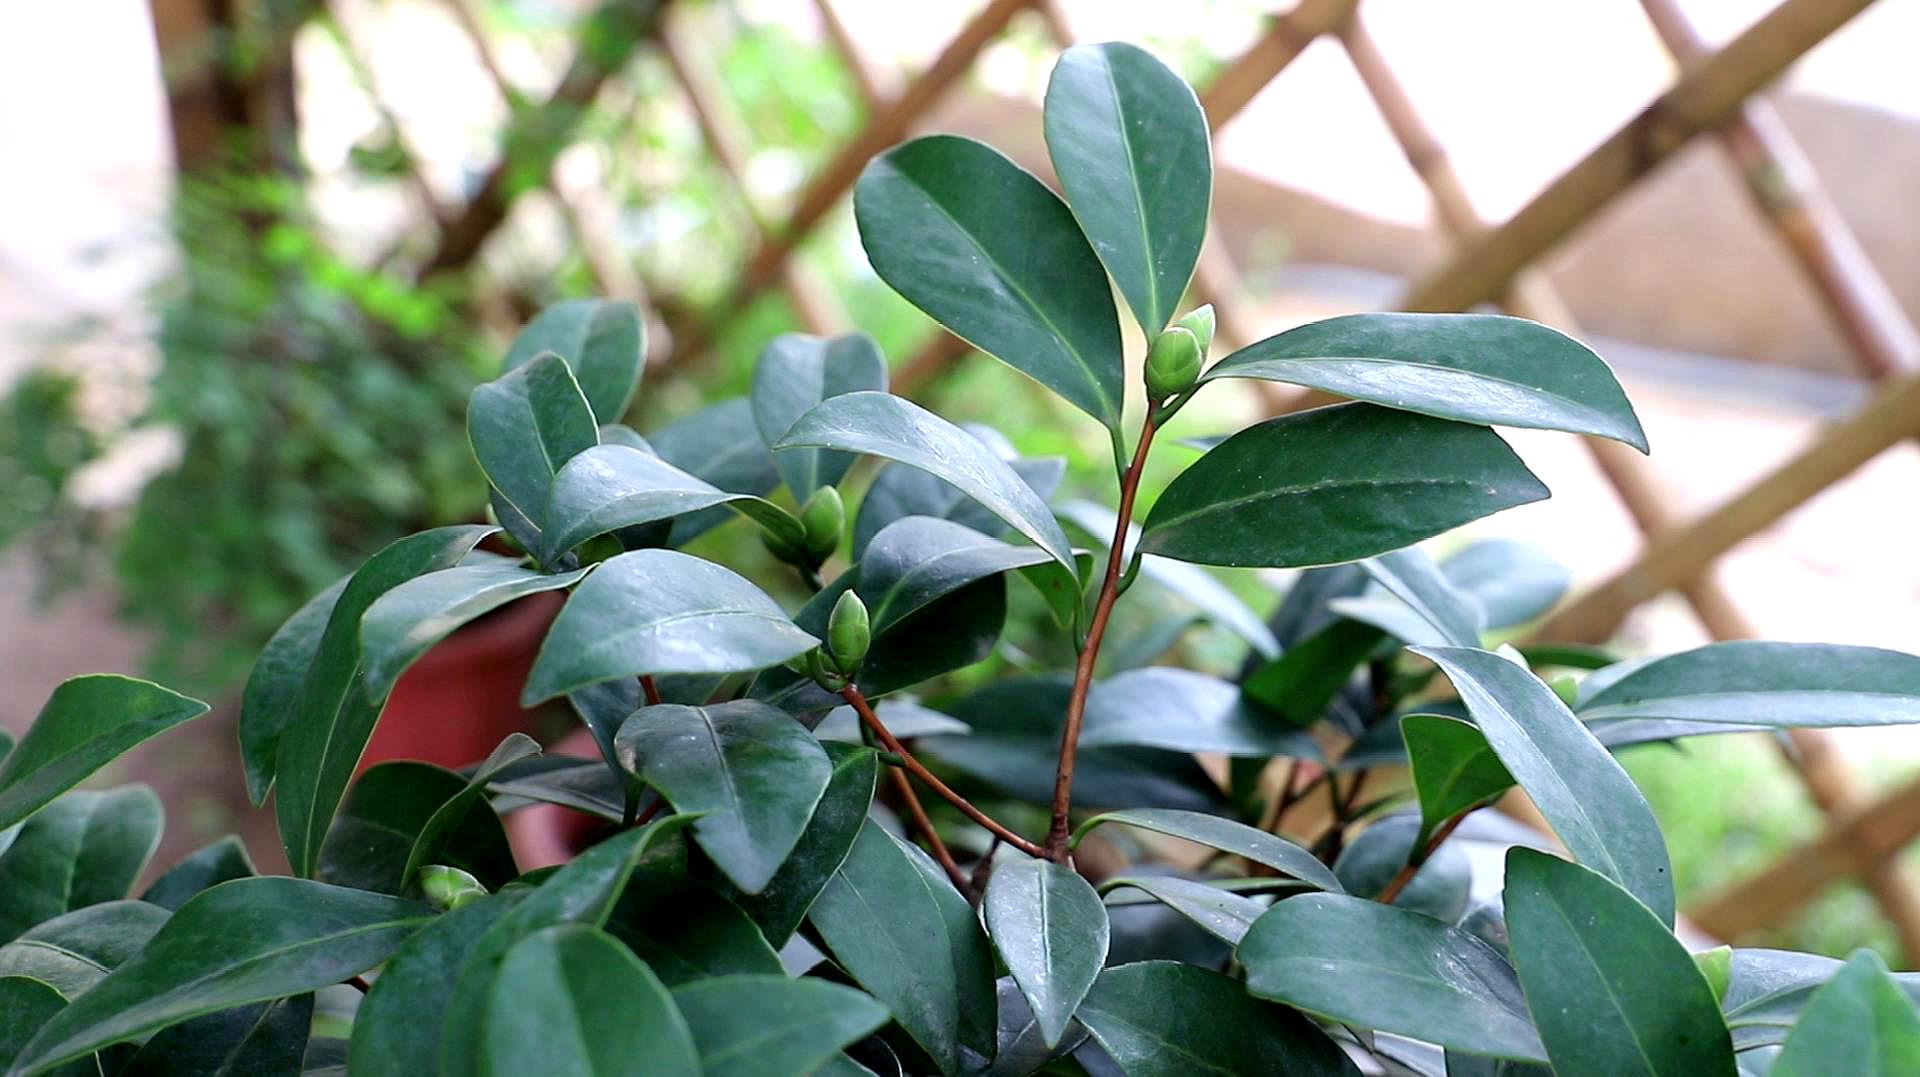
{"points": [[84, 848], [246, 1041], [386, 814], [406, 622], [1304, 681], [1390, 970], [527, 423], [822, 847], [1454, 768], [1220, 912], [686, 930], [1226, 835], [1334, 484], [917, 560], [985, 249], [658, 611], [273, 687], [570, 1001], [721, 445], [1612, 990], [1477, 368], [1163, 1019], [74, 951], [899, 490], [394, 1028], [770, 1026], [1753, 682], [1051, 930], [1513, 582], [1184, 711], [209, 865], [588, 786], [1591, 803], [900, 929], [245, 941], [26, 1006], [754, 773], [604, 343], [86, 723], [1860, 1022], [613, 487], [1453, 616], [1130, 145], [794, 373], [463, 825]]}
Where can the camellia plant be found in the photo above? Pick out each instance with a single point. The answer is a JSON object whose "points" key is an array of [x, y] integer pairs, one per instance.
{"points": [[1082, 872]]}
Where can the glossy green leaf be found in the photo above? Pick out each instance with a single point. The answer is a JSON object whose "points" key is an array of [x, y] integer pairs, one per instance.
{"points": [[884, 425], [393, 1030], [588, 786], [527, 423], [449, 834], [1411, 576], [273, 687], [84, 848], [332, 717], [1612, 990], [1754, 682], [1226, 835], [770, 1026], [793, 374], [1165, 1019], [1454, 768], [604, 342], [1334, 484], [26, 1005], [570, 1001], [406, 622], [1592, 805], [1184, 711], [1384, 968], [1477, 368], [1131, 148], [783, 903], [721, 445], [86, 723], [754, 772], [899, 491], [685, 930], [1308, 676], [1218, 911], [658, 611], [245, 941], [613, 487], [989, 252], [899, 928], [1859, 1022], [76, 950], [1513, 582], [1050, 928], [917, 560], [1442, 887], [384, 817], [262, 1038], [210, 865]]}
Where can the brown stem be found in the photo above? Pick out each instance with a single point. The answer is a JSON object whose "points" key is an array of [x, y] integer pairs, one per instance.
{"points": [[861, 707], [925, 826], [1399, 882], [651, 689], [1058, 832], [359, 983]]}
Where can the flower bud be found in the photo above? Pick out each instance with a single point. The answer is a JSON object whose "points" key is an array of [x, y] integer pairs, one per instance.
{"points": [[1199, 322], [1172, 363], [789, 548], [449, 888], [848, 633], [824, 516]]}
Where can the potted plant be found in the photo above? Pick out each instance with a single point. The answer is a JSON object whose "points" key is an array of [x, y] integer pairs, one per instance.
{"points": [[784, 885]]}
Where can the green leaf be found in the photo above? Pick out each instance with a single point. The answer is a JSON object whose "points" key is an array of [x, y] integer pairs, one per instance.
{"points": [[613, 487], [657, 611], [1303, 682], [86, 724], [1759, 683], [770, 1026], [1334, 484], [406, 622], [208, 866], [1612, 990], [245, 941], [1131, 147], [686, 930], [884, 425], [1859, 1022], [754, 773], [524, 425], [1513, 582], [988, 251], [1441, 888], [793, 374], [1165, 1019], [899, 928], [1384, 968], [84, 848], [570, 1001], [72, 952], [26, 1005], [823, 846], [917, 560], [265, 1037], [1454, 769], [898, 491], [1593, 806], [273, 687], [386, 814], [604, 343], [906, 718], [720, 444], [1411, 576], [332, 717], [1184, 711], [1219, 912], [1476, 368], [1226, 835], [394, 1028], [1051, 930], [449, 834]]}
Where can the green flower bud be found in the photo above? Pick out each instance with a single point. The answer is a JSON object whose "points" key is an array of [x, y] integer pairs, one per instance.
{"points": [[848, 633], [1566, 688], [1199, 322], [1717, 966], [824, 516], [598, 549], [1172, 363], [449, 888], [789, 548]]}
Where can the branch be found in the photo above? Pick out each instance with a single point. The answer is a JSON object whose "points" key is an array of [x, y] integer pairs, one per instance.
{"points": [[1399, 882], [925, 826]]}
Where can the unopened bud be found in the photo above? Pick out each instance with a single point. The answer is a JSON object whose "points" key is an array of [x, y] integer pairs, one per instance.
{"points": [[1172, 363], [790, 549], [1199, 322], [449, 888], [824, 516], [849, 633]]}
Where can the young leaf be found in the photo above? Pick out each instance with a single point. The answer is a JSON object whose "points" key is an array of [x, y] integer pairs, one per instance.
{"points": [[208, 866], [685, 930], [1412, 577], [1858, 1022], [273, 687], [246, 941], [884, 425], [614, 487], [265, 1037], [1051, 930], [72, 952], [1334, 484], [1454, 769], [86, 723], [406, 622], [794, 373], [1575, 782], [392, 1029], [783, 903], [524, 425], [657, 611], [1184, 711], [1219, 912], [26, 1005], [987, 251], [84, 848], [1165, 1019], [1611, 989], [764, 1026], [383, 818], [1130, 145], [899, 928], [1476, 368], [1226, 835], [604, 342], [718, 444], [571, 1000], [754, 773], [1755, 682], [1384, 968]]}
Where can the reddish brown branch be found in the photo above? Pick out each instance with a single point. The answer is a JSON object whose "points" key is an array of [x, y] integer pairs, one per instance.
{"points": [[925, 826], [652, 690], [1399, 882]]}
